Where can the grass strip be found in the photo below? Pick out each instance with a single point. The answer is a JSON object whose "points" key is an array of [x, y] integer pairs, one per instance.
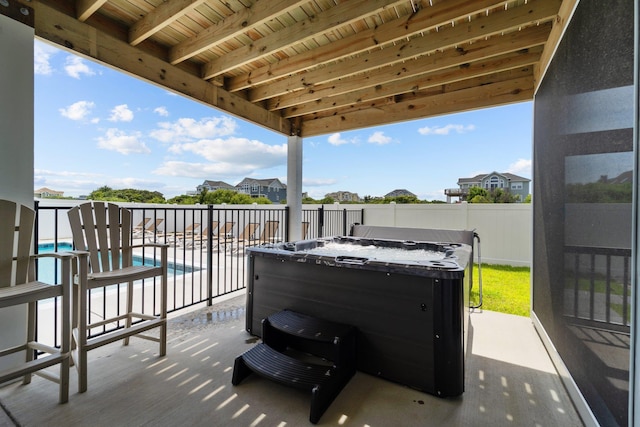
{"points": [[506, 289]]}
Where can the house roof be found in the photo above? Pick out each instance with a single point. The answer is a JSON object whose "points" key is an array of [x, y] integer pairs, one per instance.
{"points": [[310, 67], [478, 178], [217, 184], [262, 182], [48, 191]]}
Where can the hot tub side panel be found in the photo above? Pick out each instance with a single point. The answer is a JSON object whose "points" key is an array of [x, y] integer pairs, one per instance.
{"points": [[398, 316]]}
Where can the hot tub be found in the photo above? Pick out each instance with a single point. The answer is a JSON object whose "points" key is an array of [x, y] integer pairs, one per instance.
{"points": [[408, 299]]}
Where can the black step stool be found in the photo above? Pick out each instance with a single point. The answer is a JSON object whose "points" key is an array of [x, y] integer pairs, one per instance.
{"points": [[287, 330]]}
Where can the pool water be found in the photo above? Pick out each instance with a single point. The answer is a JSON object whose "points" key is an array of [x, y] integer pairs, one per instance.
{"points": [[46, 266]]}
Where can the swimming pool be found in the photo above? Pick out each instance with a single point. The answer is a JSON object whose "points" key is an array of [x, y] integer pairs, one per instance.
{"points": [[46, 266]]}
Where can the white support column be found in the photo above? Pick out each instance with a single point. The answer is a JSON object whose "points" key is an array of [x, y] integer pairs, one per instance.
{"points": [[16, 139], [16, 109], [294, 187]]}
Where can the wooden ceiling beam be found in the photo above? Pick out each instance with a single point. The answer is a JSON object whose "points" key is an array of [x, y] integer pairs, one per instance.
{"points": [[239, 23], [559, 25], [86, 8], [421, 21], [160, 17], [525, 15], [454, 86], [463, 55], [71, 34], [338, 16], [521, 60], [488, 95]]}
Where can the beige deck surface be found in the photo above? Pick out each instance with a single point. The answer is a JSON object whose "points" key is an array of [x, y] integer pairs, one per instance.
{"points": [[510, 381]]}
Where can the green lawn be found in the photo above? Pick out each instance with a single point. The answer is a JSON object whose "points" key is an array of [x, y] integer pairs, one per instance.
{"points": [[505, 289]]}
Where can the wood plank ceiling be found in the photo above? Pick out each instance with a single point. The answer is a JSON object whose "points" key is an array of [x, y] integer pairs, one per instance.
{"points": [[310, 67]]}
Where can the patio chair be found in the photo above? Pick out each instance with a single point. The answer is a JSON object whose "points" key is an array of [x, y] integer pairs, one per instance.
{"points": [[18, 287], [234, 245], [219, 235], [174, 238], [138, 230], [153, 230], [196, 240], [269, 232], [101, 235]]}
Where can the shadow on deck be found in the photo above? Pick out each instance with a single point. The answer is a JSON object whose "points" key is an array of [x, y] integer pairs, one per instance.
{"points": [[510, 380]]}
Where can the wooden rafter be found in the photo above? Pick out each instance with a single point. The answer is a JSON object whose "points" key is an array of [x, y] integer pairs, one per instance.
{"points": [[160, 17], [416, 46], [308, 67], [340, 15], [241, 22], [418, 22], [458, 57], [499, 93]]}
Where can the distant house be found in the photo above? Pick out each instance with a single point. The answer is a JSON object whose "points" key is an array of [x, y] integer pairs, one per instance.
{"points": [[514, 184], [343, 196], [400, 192], [45, 192], [214, 185], [271, 188]]}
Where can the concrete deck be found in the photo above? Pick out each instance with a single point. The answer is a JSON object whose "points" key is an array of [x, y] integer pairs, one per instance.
{"points": [[510, 380]]}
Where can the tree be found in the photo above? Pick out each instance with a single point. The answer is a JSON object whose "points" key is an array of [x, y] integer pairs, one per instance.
{"points": [[478, 195], [184, 200], [327, 201], [126, 195], [498, 195], [231, 197]]}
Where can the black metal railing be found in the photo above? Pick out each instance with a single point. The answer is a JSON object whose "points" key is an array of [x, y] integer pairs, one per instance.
{"points": [[597, 289], [207, 247]]}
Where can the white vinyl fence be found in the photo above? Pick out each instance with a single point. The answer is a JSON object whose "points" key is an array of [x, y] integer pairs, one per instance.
{"points": [[505, 230]]}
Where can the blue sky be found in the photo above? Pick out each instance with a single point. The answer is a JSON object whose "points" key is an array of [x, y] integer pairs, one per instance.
{"points": [[95, 126]]}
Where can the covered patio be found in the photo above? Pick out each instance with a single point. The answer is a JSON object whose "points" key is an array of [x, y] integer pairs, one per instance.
{"points": [[510, 380], [303, 68]]}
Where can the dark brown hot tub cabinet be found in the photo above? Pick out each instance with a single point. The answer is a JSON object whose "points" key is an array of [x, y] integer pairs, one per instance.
{"points": [[411, 316]]}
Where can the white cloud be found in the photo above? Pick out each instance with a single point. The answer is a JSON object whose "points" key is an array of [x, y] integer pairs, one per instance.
{"points": [[76, 66], [520, 167], [225, 157], [117, 140], [121, 113], [161, 111], [379, 138], [42, 53], [445, 130], [78, 110], [186, 129], [318, 182], [337, 139], [42, 172], [135, 183], [245, 154], [198, 170]]}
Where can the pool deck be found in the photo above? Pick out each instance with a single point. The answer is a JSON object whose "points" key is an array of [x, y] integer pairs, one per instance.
{"points": [[509, 378]]}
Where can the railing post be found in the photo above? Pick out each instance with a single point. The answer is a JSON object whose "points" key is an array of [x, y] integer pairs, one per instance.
{"points": [[344, 222], [286, 223], [209, 255], [36, 206], [320, 221]]}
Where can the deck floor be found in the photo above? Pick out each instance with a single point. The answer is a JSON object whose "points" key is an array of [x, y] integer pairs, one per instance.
{"points": [[510, 380]]}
